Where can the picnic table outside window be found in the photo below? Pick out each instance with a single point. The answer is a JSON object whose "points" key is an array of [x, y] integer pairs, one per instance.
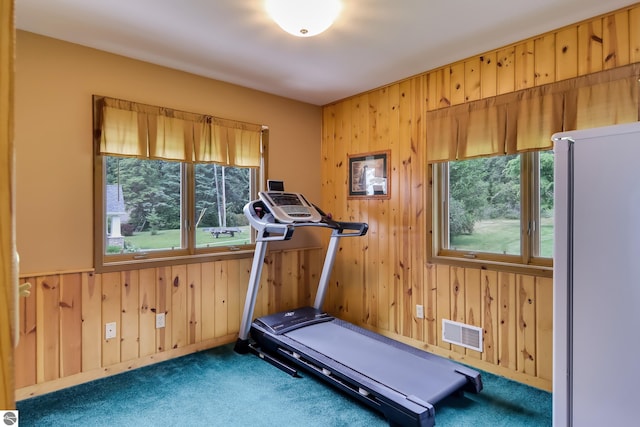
{"points": [[217, 231]]}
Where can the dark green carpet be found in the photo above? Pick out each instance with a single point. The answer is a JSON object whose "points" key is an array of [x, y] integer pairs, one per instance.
{"points": [[221, 388]]}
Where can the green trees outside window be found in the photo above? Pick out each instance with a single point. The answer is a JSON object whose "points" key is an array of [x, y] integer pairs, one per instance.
{"points": [[500, 206]]}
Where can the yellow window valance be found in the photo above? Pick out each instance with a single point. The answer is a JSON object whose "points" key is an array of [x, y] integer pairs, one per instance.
{"points": [[482, 129], [526, 120], [125, 128]]}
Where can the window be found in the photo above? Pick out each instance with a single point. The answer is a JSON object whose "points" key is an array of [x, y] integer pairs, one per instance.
{"points": [[492, 173], [143, 207], [495, 209], [180, 197]]}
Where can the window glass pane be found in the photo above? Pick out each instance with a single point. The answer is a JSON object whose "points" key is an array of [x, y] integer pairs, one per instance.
{"points": [[545, 235], [484, 205], [142, 205], [220, 194]]}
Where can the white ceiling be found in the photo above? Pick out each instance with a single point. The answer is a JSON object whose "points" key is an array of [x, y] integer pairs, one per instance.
{"points": [[373, 42]]}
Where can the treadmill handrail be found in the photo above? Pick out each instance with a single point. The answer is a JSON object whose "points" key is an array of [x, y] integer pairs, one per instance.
{"points": [[263, 221], [355, 228], [275, 232]]}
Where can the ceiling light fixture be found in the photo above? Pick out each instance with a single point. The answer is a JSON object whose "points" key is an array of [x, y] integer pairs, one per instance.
{"points": [[304, 18]]}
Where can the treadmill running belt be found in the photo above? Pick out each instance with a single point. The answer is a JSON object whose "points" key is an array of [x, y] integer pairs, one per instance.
{"points": [[390, 366]]}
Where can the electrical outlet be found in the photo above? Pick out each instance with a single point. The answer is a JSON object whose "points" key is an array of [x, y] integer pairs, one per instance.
{"points": [[160, 320], [109, 330], [419, 311]]}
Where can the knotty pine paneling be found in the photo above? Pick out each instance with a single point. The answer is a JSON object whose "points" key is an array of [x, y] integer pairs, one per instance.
{"points": [[194, 303], [488, 75], [506, 76], [71, 323], [47, 327], [62, 322], [110, 307], [490, 310], [439, 88], [545, 59], [472, 79], [178, 307], [473, 303], [147, 313], [442, 309], [615, 41], [507, 315], [457, 79], [163, 304], [590, 49], [25, 357], [129, 314], [457, 289], [92, 326], [525, 61], [566, 53], [544, 327], [526, 332], [634, 35], [378, 280]]}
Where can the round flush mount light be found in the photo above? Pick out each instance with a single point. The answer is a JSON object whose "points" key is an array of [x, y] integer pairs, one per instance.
{"points": [[304, 18]]}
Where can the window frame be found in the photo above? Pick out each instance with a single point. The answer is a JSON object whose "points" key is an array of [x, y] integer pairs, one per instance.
{"points": [[189, 254], [526, 262]]}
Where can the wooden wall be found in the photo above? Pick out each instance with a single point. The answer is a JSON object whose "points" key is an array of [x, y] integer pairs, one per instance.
{"points": [[62, 340], [380, 279], [8, 271]]}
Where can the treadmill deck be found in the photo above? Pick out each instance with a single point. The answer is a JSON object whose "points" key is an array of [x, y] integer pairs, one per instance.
{"points": [[428, 379]]}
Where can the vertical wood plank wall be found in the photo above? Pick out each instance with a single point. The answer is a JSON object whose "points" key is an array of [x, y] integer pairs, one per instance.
{"points": [[379, 280], [8, 270], [62, 340]]}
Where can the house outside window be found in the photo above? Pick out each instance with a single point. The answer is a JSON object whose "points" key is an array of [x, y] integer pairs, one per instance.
{"points": [[115, 211]]}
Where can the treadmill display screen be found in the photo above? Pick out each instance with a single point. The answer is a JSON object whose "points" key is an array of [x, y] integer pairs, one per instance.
{"points": [[285, 199], [290, 207]]}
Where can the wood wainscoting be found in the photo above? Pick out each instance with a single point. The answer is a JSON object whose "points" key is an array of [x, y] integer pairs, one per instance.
{"points": [[62, 323]]}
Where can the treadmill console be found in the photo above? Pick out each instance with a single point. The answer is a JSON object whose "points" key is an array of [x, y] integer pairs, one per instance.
{"points": [[289, 207]]}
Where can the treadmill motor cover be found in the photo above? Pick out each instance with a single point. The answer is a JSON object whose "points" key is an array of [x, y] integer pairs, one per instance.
{"points": [[286, 321]]}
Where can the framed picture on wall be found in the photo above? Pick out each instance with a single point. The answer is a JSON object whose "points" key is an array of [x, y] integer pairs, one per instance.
{"points": [[369, 176]]}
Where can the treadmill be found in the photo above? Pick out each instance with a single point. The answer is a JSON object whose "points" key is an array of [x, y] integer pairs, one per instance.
{"points": [[400, 381]]}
